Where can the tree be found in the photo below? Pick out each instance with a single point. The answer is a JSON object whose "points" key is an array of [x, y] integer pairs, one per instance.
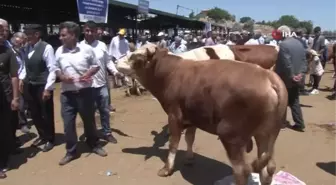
{"points": [[249, 26], [192, 15], [307, 25], [289, 20], [236, 27], [245, 19], [219, 14]]}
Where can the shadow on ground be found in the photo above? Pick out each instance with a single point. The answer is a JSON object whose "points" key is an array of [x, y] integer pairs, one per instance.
{"points": [[329, 167], [204, 171]]}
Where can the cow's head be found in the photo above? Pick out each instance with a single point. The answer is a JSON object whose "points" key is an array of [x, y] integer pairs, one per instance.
{"points": [[136, 62], [127, 63]]}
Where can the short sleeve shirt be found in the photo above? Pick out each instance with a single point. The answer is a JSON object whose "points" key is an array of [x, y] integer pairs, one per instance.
{"points": [[8, 70]]}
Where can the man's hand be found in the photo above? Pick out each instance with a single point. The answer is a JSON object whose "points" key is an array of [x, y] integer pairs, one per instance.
{"points": [[297, 78], [85, 78], [21, 84], [15, 104], [66, 79], [46, 95], [119, 75]]}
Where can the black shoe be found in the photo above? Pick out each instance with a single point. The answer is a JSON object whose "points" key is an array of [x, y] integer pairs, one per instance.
{"points": [[17, 151], [304, 93], [298, 128], [38, 142], [99, 151], [67, 158], [111, 139], [18, 143], [47, 147]]}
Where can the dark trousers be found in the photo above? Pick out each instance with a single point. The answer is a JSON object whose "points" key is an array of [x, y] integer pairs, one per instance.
{"points": [[317, 80], [7, 142], [294, 104], [303, 83], [42, 112], [82, 102], [22, 111]]}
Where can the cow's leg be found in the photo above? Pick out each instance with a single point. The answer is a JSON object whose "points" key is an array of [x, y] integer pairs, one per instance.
{"points": [[236, 153], [190, 138], [265, 164], [174, 125]]}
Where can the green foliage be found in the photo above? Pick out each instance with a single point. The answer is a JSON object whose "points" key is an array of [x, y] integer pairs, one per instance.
{"points": [[219, 14], [192, 15], [249, 26], [245, 19], [291, 21], [236, 27]]}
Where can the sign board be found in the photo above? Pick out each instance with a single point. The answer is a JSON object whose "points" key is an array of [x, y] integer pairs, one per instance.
{"points": [[143, 6], [93, 10]]}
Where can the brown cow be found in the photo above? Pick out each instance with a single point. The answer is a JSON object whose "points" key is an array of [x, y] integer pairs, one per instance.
{"points": [[206, 95], [262, 55]]}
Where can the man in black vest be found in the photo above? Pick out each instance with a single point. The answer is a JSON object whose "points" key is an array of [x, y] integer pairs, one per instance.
{"points": [[39, 84]]}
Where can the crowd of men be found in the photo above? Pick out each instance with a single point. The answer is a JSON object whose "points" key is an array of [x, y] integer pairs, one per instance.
{"points": [[30, 67]]}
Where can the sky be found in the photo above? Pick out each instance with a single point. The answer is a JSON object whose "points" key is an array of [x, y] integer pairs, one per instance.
{"points": [[322, 12]]}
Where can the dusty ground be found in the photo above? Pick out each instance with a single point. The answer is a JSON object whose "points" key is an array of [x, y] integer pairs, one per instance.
{"points": [[138, 124]]}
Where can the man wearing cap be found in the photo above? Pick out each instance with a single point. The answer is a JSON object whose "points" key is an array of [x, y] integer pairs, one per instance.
{"points": [[119, 46], [291, 66], [39, 79], [162, 43], [100, 79], [9, 100]]}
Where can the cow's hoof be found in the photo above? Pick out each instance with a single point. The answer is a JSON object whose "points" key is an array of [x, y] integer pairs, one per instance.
{"points": [[127, 93], [164, 172], [189, 161], [137, 92]]}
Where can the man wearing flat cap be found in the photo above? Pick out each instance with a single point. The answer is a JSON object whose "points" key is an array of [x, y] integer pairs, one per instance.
{"points": [[38, 85]]}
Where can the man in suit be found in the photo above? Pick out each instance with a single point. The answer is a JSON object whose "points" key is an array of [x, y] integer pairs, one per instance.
{"points": [[291, 66]]}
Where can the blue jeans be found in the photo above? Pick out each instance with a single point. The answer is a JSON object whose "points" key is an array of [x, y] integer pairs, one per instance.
{"points": [[82, 102], [102, 104]]}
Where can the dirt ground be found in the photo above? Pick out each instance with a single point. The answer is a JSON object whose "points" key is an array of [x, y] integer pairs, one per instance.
{"points": [[138, 156]]}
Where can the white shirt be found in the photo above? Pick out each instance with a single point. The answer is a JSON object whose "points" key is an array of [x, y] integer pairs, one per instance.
{"points": [[104, 62], [326, 42], [252, 42], [118, 47], [273, 43], [49, 57], [316, 67], [75, 63]]}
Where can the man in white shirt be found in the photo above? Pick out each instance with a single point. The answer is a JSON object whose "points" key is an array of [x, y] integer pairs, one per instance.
{"points": [[76, 65], [119, 47], [177, 46], [38, 79], [100, 79]]}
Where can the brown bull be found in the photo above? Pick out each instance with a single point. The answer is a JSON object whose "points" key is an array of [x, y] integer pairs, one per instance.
{"points": [[216, 97]]}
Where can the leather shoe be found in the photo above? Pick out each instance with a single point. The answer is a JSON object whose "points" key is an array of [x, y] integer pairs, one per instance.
{"points": [[99, 151], [47, 147], [67, 158], [298, 128], [39, 141], [2, 175], [111, 139]]}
